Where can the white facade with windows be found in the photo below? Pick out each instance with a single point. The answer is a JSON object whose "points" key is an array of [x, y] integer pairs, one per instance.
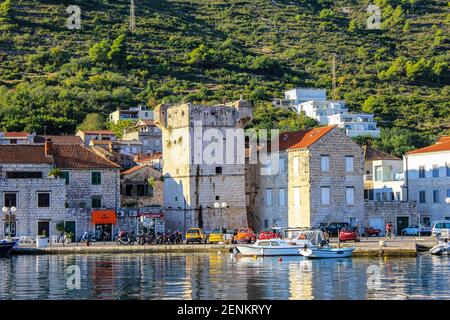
{"points": [[355, 124], [314, 104], [427, 181]]}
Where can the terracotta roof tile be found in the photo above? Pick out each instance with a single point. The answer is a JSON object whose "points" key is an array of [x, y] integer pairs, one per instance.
{"points": [[131, 170], [444, 139], [59, 139], [371, 154], [302, 138], [79, 157], [24, 154], [16, 134], [440, 146], [94, 132]]}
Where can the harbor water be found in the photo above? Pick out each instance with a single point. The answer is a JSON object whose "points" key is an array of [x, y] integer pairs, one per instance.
{"points": [[221, 276]]}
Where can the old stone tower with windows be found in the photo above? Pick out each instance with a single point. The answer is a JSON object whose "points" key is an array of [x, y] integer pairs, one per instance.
{"points": [[195, 177]]}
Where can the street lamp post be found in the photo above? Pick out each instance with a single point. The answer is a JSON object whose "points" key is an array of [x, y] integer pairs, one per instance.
{"points": [[220, 206], [9, 212]]}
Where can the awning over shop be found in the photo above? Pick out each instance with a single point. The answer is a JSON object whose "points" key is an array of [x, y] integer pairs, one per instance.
{"points": [[103, 216]]}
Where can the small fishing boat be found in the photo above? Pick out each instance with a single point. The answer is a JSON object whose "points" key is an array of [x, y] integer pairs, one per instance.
{"points": [[281, 247], [322, 253], [5, 248]]}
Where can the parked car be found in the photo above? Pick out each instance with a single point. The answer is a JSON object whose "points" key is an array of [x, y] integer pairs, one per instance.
{"points": [[349, 234], [416, 229], [438, 226], [245, 235], [269, 234], [195, 235], [370, 231], [220, 235], [333, 228]]}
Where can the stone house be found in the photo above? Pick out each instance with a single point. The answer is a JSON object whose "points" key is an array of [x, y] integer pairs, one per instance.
{"points": [[135, 189], [88, 181], [88, 135], [319, 180], [18, 138], [192, 187], [148, 134]]}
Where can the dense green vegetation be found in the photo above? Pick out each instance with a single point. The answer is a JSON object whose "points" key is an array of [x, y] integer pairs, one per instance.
{"points": [[216, 50]]}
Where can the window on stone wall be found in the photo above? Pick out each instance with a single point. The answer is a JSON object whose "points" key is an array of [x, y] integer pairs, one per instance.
{"points": [[296, 191], [325, 163], [96, 178], [296, 165], [140, 190], [66, 175], [218, 170], [96, 202], [128, 190], [10, 199], [44, 199], [348, 163], [325, 196], [349, 195]]}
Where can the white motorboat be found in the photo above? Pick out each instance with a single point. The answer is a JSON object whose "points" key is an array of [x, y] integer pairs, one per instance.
{"points": [[442, 248], [321, 253], [281, 247]]}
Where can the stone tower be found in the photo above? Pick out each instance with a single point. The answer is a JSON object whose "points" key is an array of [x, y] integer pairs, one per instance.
{"points": [[194, 176]]}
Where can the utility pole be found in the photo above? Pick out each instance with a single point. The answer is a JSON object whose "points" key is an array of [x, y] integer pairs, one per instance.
{"points": [[334, 76], [132, 16]]}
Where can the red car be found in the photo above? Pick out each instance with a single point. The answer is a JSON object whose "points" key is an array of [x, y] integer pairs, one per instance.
{"points": [[349, 234], [268, 234]]}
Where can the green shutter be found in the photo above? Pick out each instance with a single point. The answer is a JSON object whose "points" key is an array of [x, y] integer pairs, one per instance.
{"points": [[96, 178]]}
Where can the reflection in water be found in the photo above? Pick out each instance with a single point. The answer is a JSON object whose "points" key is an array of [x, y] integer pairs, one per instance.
{"points": [[222, 276]]}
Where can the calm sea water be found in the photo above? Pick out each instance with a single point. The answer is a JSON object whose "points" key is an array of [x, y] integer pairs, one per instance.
{"points": [[222, 276]]}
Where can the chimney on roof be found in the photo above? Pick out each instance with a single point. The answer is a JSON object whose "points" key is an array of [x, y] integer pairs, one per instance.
{"points": [[48, 147], [110, 147]]}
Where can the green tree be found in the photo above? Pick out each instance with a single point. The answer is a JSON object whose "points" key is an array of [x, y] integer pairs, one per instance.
{"points": [[353, 26], [326, 14], [5, 11], [118, 51], [92, 121], [119, 127], [99, 51]]}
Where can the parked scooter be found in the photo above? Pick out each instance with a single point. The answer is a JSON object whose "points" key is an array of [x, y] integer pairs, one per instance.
{"points": [[124, 238]]}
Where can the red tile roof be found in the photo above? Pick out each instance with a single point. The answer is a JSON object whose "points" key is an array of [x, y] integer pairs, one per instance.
{"points": [[63, 139], [444, 139], [79, 157], [439, 146], [131, 170], [24, 154], [64, 156], [302, 138], [16, 134], [95, 132]]}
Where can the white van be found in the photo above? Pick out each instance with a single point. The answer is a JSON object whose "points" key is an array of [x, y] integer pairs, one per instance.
{"points": [[438, 226]]}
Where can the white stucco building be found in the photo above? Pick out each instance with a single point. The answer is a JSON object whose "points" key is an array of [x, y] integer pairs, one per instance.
{"points": [[427, 180], [355, 124], [314, 104]]}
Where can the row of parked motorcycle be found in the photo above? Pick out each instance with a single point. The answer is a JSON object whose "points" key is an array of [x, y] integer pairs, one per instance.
{"points": [[125, 238]]}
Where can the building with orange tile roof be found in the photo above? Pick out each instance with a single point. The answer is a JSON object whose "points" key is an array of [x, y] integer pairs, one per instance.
{"points": [[427, 180], [317, 180]]}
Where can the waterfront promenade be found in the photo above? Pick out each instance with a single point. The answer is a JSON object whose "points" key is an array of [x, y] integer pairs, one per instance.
{"points": [[367, 247]]}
